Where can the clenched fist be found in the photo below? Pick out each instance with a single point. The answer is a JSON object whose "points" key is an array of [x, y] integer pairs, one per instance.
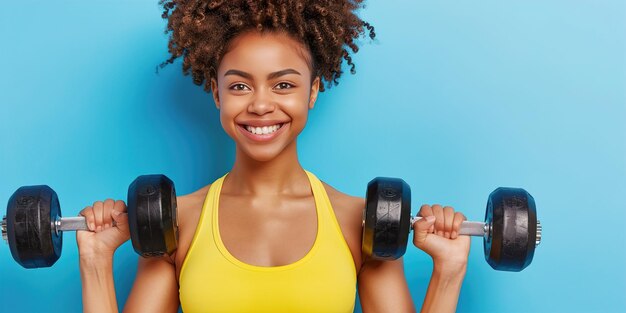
{"points": [[108, 225]]}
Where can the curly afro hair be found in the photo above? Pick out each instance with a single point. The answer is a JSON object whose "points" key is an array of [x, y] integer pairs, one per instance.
{"points": [[202, 29]]}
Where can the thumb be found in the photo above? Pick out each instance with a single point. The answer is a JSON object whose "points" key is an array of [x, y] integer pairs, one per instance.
{"points": [[421, 229], [121, 220]]}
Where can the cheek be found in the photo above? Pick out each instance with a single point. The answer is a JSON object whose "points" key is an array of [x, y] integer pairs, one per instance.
{"points": [[298, 110], [227, 115]]}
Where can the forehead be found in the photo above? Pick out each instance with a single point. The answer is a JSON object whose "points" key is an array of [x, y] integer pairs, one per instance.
{"points": [[256, 52]]}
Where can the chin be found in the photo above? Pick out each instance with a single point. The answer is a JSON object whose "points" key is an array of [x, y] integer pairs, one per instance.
{"points": [[261, 155]]}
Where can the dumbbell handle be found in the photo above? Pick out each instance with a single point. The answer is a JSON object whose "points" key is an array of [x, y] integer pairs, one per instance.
{"points": [[71, 223], [467, 228]]}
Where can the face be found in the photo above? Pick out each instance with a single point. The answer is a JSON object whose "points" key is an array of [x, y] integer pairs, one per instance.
{"points": [[264, 91]]}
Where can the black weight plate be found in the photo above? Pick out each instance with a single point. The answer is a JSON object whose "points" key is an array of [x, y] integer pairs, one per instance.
{"points": [[386, 219], [152, 216], [32, 239], [512, 214]]}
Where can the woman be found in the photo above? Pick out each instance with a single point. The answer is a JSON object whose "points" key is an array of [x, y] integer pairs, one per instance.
{"points": [[268, 236]]}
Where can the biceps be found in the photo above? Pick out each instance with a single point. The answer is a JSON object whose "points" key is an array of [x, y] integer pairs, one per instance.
{"points": [[383, 287], [155, 288]]}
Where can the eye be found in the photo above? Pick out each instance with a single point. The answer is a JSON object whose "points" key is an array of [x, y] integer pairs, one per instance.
{"points": [[239, 87], [284, 85]]}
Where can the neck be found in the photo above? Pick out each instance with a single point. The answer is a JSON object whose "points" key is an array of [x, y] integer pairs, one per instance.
{"points": [[280, 175]]}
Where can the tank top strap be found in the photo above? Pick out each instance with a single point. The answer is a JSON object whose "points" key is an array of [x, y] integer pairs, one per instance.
{"points": [[319, 194], [327, 217], [204, 228]]}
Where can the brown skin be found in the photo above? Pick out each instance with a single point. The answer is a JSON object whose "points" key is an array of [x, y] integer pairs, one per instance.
{"points": [[266, 201]]}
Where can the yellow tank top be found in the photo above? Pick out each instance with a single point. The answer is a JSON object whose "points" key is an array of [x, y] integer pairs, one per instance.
{"points": [[213, 280]]}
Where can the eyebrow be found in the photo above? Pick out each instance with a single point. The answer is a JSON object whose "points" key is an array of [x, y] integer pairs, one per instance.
{"points": [[269, 76]]}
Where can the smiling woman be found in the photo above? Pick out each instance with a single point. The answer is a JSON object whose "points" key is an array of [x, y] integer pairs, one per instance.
{"points": [[268, 236]]}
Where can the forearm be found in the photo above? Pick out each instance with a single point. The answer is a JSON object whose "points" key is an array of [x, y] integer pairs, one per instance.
{"points": [[98, 286], [443, 291]]}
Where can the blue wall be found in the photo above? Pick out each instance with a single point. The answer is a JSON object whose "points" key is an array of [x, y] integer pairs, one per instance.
{"points": [[456, 98]]}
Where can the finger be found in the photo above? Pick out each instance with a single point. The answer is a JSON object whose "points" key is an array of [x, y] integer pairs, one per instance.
{"points": [[421, 229], [438, 212], [448, 218], [106, 213], [98, 207], [87, 212], [426, 210], [120, 206], [456, 224]]}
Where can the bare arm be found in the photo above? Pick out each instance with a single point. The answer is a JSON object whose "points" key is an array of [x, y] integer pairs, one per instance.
{"points": [[155, 288], [443, 291], [156, 281], [98, 287], [383, 287]]}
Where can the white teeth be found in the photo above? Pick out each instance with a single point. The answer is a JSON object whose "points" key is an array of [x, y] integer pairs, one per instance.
{"points": [[265, 130]]}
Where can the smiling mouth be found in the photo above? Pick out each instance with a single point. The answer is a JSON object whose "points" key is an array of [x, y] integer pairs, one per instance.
{"points": [[264, 130]]}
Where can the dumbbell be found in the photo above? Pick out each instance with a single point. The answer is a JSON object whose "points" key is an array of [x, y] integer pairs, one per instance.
{"points": [[33, 225], [510, 231]]}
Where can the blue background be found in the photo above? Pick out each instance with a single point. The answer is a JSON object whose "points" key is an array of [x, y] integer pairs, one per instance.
{"points": [[455, 97]]}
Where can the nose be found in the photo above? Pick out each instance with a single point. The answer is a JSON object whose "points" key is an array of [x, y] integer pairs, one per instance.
{"points": [[262, 103]]}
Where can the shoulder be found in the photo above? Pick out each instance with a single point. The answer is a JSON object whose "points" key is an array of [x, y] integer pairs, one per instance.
{"points": [[188, 211], [348, 208], [190, 201], [344, 201], [349, 213], [190, 208]]}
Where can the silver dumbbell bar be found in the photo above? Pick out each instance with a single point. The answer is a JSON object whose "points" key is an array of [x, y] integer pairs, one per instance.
{"points": [[58, 225], [70, 223], [480, 229]]}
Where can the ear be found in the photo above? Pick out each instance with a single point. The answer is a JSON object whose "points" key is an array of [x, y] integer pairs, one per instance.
{"points": [[215, 92], [315, 88]]}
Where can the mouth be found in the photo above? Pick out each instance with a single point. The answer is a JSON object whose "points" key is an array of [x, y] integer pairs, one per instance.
{"points": [[264, 130], [262, 133]]}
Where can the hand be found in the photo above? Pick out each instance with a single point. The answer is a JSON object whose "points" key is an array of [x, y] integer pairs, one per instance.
{"points": [[103, 238], [437, 234]]}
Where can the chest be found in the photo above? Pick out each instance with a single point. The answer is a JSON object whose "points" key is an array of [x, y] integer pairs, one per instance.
{"points": [[268, 231]]}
